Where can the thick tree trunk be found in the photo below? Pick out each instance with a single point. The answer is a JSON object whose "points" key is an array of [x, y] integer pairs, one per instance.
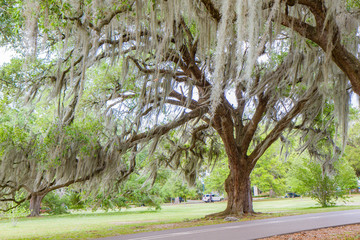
{"points": [[237, 185], [35, 204], [239, 195], [238, 188]]}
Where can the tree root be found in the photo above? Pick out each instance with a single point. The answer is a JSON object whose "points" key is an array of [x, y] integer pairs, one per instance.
{"points": [[33, 215], [228, 213], [224, 213]]}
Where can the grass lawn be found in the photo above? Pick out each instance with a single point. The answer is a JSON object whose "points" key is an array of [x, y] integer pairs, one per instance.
{"points": [[99, 224]]}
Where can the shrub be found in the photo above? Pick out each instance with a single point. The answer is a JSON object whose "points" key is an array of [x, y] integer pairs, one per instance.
{"points": [[307, 177], [55, 204]]}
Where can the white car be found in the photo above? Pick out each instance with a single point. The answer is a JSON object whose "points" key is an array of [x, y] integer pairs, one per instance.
{"points": [[211, 198]]}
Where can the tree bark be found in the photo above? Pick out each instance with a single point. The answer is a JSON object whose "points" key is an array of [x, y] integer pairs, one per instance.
{"points": [[35, 204], [238, 189], [237, 185]]}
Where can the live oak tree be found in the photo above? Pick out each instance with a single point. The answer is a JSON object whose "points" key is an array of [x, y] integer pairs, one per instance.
{"points": [[226, 65]]}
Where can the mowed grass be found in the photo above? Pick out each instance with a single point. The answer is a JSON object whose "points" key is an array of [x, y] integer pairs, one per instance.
{"points": [[87, 225], [79, 225], [295, 206]]}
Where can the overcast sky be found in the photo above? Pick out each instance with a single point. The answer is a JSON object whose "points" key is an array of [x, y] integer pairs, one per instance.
{"points": [[5, 55]]}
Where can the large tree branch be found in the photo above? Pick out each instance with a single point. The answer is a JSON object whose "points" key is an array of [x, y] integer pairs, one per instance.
{"points": [[162, 130], [107, 19], [317, 7], [184, 100], [344, 59], [17, 203], [251, 127], [68, 183], [177, 76], [215, 13], [280, 126], [304, 29]]}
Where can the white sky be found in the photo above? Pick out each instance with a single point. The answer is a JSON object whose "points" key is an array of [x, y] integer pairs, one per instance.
{"points": [[5, 55]]}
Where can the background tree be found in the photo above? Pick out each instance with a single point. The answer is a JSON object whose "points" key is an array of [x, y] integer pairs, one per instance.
{"points": [[352, 150], [321, 173], [214, 181], [307, 177], [269, 174], [136, 191], [176, 186], [55, 203]]}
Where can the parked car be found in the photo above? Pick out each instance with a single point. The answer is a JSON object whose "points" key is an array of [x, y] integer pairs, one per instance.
{"points": [[212, 198], [291, 195]]}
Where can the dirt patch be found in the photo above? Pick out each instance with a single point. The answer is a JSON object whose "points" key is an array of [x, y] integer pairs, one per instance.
{"points": [[350, 232]]}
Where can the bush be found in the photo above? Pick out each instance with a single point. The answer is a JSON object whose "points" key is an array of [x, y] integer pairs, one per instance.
{"points": [[75, 201], [54, 204], [307, 177]]}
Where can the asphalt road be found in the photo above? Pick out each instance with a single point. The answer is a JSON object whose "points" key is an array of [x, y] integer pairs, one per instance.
{"points": [[251, 229]]}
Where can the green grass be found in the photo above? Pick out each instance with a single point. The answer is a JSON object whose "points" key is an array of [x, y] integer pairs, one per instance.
{"points": [[101, 224], [302, 205], [77, 224]]}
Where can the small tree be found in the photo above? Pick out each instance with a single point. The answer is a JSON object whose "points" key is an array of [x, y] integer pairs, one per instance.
{"points": [[55, 203], [308, 177]]}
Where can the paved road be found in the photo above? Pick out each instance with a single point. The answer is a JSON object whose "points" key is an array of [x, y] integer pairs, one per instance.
{"points": [[251, 229]]}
